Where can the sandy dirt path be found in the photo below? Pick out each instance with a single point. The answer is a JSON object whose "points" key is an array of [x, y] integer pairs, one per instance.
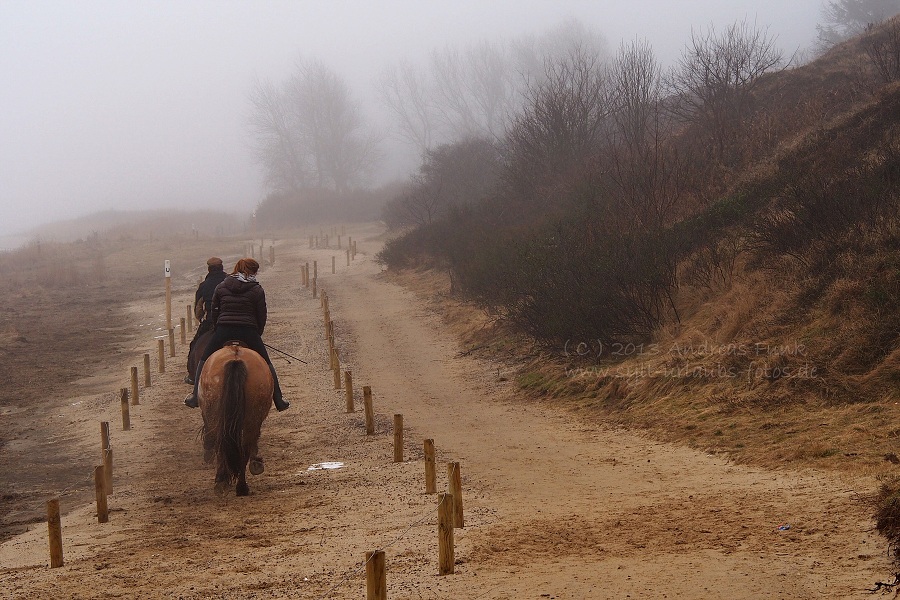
{"points": [[556, 507]]}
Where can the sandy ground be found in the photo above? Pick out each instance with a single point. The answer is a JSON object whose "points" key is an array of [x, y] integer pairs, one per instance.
{"points": [[555, 507]]}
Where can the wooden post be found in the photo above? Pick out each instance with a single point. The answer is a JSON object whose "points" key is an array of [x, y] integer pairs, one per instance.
{"points": [[190, 318], [307, 273], [348, 386], [183, 331], [376, 582], [370, 416], [161, 355], [339, 242], [314, 287], [135, 398], [168, 295], [398, 438], [106, 456], [126, 418], [315, 269], [100, 492], [445, 534], [348, 257], [146, 370], [54, 529], [107, 470], [271, 256], [430, 473], [335, 361], [171, 342], [353, 253], [455, 488], [332, 265], [337, 376]]}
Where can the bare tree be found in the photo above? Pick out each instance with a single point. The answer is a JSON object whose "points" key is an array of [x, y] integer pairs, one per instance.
{"points": [[715, 79], [477, 90], [644, 169], [310, 132], [561, 127], [276, 143], [843, 19], [404, 90]]}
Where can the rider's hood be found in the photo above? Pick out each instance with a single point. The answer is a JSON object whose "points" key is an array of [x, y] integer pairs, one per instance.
{"points": [[238, 286]]}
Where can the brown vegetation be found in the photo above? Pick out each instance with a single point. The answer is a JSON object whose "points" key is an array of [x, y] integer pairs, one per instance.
{"points": [[759, 317]]}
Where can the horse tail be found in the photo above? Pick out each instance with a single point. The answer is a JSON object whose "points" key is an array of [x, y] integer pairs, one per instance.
{"points": [[231, 440]]}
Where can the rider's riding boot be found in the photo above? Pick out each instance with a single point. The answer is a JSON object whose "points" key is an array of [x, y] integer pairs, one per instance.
{"points": [[191, 399], [280, 403]]}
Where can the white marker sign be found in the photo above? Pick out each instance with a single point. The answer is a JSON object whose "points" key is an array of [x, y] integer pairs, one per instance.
{"points": [[168, 270]]}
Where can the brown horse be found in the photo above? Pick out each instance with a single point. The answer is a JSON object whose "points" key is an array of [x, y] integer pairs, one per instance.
{"points": [[235, 394]]}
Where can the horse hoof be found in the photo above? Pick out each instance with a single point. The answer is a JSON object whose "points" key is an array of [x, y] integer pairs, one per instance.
{"points": [[221, 488], [242, 489], [257, 466]]}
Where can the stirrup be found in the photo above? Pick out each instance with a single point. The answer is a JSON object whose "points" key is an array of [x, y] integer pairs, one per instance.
{"points": [[191, 401]]}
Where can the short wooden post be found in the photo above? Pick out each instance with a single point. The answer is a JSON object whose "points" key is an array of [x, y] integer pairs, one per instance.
{"points": [[100, 492], [271, 256], [54, 529], [339, 242], [398, 438], [106, 456], [332, 265], [307, 273], [455, 488], [190, 318], [430, 472], [376, 582], [315, 269], [314, 287], [348, 257], [135, 398], [337, 376], [370, 415], [445, 534], [161, 355], [126, 417], [348, 390], [183, 327], [353, 254], [171, 342], [146, 370]]}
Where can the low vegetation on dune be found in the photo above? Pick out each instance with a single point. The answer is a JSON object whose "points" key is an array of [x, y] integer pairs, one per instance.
{"points": [[711, 253]]}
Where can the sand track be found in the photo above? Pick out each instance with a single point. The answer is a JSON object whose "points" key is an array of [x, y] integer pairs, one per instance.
{"points": [[555, 507]]}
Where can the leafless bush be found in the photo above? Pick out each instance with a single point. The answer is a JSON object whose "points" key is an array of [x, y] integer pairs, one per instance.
{"points": [[883, 49], [564, 123], [714, 82]]}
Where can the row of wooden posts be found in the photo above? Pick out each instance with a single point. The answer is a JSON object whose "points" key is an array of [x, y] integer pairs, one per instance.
{"points": [[103, 473], [450, 504]]}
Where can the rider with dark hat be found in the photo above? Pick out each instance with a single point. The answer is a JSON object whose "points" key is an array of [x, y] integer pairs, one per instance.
{"points": [[238, 312], [203, 303]]}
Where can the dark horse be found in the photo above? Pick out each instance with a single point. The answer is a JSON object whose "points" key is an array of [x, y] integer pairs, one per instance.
{"points": [[235, 394], [198, 347]]}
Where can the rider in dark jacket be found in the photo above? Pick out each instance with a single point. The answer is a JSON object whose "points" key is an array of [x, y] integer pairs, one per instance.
{"points": [[238, 312], [203, 304]]}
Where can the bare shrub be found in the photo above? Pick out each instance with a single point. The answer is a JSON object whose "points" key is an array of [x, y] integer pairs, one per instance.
{"points": [[883, 49]]}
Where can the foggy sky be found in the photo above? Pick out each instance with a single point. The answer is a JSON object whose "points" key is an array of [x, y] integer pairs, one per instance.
{"points": [[134, 105]]}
